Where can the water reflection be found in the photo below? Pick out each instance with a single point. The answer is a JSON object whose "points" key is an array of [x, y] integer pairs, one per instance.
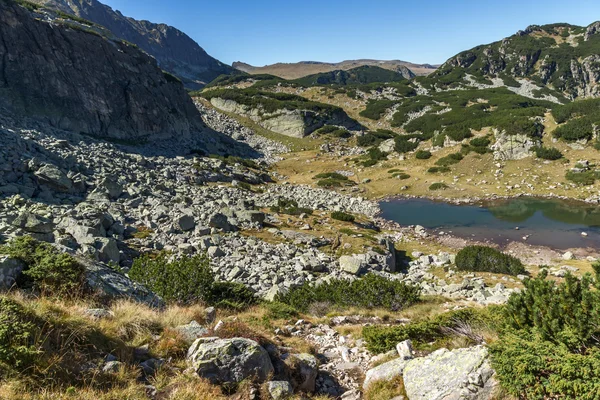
{"points": [[522, 209], [547, 222]]}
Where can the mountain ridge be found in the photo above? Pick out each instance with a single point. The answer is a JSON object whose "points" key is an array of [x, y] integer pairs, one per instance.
{"points": [[306, 68], [174, 51]]}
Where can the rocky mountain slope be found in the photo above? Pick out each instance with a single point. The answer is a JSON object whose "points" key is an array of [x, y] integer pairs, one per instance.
{"points": [[174, 51], [305, 68], [560, 57], [80, 78]]}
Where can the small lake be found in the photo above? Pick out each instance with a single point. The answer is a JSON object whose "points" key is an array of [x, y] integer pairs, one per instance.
{"points": [[546, 222]]}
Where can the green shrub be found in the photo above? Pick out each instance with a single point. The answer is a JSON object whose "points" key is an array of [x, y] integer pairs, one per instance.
{"points": [[403, 145], [423, 155], [371, 291], [342, 216], [435, 170], [187, 280], [381, 339], [401, 175], [549, 347], [334, 131], [331, 175], [480, 142], [548, 153], [374, 138], [290, 207], [50, 271], [487, 259], [279, 310], [584, 178], [438, 186], [450, 159], [17, 336]]}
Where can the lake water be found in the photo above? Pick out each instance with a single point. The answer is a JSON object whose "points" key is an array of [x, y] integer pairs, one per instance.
{"points": [[546, 222]]}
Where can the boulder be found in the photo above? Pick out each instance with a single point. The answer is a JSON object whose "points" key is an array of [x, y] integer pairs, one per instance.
{"points": [[191, 331], [108, 251], [54, 178], [304, 371], [279, 390], [111, 284], [229, 360], [111, 186], [10, 269], [250, 216], [352, 264], [186, 222], [444, 375], [33, 223], [385, 372], [220, 221]]}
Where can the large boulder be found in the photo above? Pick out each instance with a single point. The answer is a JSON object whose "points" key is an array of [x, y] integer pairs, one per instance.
{"points": [[513, 147], [385, 372], [33, 223], [229, 360], [10, 269], [111, 284], [354, 264], [304, 371], [54, 178], [450, 375]]}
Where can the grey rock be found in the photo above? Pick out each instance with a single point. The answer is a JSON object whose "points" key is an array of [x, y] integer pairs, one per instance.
{"points": [[10, 269], [229, 360], [33, 223], [385, 372], [112, 367], [352, 264], [445, 375], [279, 390], [305, 371], [53, 177], [191, 331], [186, 222], [108, 251], [405, 349]]}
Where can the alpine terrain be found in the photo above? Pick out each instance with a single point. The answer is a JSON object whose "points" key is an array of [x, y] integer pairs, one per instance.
{"points": [[175, 228]]}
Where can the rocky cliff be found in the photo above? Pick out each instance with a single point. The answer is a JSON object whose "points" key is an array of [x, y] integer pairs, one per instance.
{"points": [[175, 51], [563, 58], [76, 77]]}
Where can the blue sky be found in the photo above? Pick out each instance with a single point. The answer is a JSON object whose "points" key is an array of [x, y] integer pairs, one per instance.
{"points": [[264, 32]]}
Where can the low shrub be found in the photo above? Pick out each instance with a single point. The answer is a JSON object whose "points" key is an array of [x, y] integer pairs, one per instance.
{"points": [[450, 159], [480, 142], [549, 347], [371, 291], [585, 178], [17, 336], [401, 175], [435, 170], [423, 155], [438, 186], [290, 207], [278, 310], [188, 280], [381, 339], [548, 153], [487, 259], [47, 269], [342, 216], [403, 145], [331, 175]]}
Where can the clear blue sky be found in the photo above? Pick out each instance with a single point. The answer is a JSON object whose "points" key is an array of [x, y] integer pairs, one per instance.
{"points": [[262, 32]]}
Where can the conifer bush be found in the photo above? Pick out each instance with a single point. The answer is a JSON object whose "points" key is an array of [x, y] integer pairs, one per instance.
{"points": [[423, 155], [342, 216], [549, 346], [188, 280], [548, 153], [47, 269], [487, 259], [371, 291]]}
